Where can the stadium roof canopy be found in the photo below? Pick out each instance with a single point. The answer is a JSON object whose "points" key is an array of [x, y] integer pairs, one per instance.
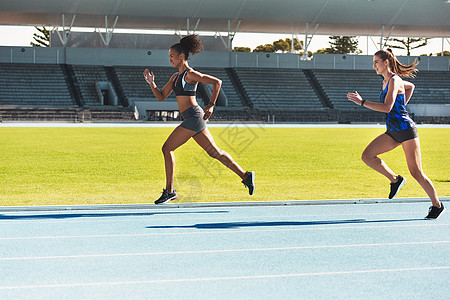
{"points": [[424, 18]]}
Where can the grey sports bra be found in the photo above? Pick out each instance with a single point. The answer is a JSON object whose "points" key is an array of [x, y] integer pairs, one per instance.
{"points": [[183, 88]]}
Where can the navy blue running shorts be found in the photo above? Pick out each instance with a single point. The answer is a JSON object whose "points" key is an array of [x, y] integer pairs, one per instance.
{"points": [[403, 135], [193, 119]]}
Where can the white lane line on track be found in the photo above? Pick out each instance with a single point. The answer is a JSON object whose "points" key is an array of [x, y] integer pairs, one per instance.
{"points": [[183, 280], [217, 231], [221, 251]]}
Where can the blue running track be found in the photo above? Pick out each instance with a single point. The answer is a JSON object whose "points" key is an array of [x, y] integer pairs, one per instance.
{"points": [[329, 251]]}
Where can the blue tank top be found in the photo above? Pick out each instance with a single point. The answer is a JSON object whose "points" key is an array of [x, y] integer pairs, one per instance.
{"points": [[398, 118], [183, 88]]}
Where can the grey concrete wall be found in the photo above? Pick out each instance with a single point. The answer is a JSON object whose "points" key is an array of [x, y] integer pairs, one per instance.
{"points": [[222, 59], [433, 110]]}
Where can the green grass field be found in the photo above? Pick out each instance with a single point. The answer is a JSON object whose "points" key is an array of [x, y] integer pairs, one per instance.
{"points": [[53, 166]]}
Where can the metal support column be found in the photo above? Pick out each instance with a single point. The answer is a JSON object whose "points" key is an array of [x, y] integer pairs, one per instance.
{"points": [[387, 38], [367, 45], [292, 43], [443, 43], [381, 39], [108, 32], [308, 39], [66, 31], [232, 35], [196, 25], [442, 52], [187, 26]]}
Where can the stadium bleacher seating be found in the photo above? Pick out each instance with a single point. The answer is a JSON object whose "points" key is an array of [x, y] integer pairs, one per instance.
{"points": [[34, 85], [337, 83], [227, 87], [133, 84], [279, 89], [42, 91], [86, 77], [432, 87]]}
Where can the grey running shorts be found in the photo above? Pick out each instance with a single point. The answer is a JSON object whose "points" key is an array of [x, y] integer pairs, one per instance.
{"points": [[403, 135], [193, 119]]}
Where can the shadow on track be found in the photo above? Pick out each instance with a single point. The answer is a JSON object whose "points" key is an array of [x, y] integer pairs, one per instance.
{"points": [[280, 223], [100, 215]]}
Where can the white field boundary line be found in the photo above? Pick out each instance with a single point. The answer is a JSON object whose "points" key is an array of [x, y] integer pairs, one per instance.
{"points": [[252, 277], [217, 231], [210, 124], [219, 251], [212, 205], [143, 218]]}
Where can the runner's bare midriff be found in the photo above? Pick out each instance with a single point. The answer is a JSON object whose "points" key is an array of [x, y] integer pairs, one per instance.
{"points": [[185, 102]]}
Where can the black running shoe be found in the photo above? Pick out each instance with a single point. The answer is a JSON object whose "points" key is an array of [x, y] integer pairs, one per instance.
{"points": [[396, 186], [166, 197], [250, 182], [434, 212]]}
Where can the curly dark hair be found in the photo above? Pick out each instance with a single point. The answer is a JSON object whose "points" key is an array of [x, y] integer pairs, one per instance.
{"points": [[188, 44]]}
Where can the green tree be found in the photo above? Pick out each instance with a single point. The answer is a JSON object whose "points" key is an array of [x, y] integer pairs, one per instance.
{"points": [[298, 45], [242, 49], [408, 44], [446, 53], [41, 40], [343, 45], [310, 54], [265, 48], [281, 45]]}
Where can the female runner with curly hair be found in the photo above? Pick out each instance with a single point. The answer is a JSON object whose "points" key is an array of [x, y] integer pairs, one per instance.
{"points": [[184, 84]]}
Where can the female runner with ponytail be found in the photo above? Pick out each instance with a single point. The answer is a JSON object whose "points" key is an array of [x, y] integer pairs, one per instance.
{"points": [[184, 84], [401, 129]]}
